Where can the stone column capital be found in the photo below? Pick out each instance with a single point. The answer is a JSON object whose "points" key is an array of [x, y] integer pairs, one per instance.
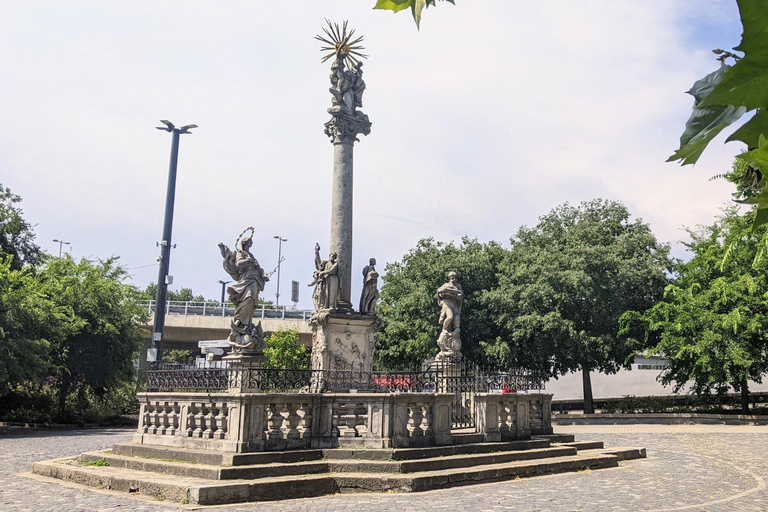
{"points": [[343, 127]]}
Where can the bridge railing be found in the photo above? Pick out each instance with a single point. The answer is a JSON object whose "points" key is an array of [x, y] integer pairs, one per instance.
{"points": [[215, 308]]}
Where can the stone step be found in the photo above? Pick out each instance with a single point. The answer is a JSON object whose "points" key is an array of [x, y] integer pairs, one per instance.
{"points": [[461, 449], [187, 489], [214, 458], [201, 491], [622, 452], [206, 471], [432, 451], [556, 438], [584, 445], [467, 438], [446, 462], [428, 480]]}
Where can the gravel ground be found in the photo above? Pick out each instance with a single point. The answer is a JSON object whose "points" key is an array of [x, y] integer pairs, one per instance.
{"points": [[689, 467]]}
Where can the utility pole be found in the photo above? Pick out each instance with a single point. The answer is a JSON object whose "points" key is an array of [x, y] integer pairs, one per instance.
{"points": [[60, 242], [156, 352], [279, 264], [223, 284]]}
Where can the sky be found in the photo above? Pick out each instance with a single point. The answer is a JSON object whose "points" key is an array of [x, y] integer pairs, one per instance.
{"points": [[488, 117]]}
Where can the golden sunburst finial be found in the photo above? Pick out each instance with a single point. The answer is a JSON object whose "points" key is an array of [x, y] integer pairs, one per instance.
{"points": [[341, 44]]}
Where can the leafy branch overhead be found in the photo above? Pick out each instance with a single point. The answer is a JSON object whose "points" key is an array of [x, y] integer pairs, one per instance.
{"points": [[417, 6], [724, 96]]}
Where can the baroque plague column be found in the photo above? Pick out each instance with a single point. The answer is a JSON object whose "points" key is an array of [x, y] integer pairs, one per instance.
{"points": [[341, 339]]}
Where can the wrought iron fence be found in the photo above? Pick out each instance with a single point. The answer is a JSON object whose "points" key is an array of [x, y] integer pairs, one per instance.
{"points": [[463, 381]]}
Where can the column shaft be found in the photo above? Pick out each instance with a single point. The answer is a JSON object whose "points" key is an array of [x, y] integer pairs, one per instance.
{"points": [[341, 218]]}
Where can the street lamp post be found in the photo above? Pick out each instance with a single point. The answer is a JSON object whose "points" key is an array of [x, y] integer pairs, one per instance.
{"points": [[279, 264], [60, 242], [156, 352], [223, 284]]}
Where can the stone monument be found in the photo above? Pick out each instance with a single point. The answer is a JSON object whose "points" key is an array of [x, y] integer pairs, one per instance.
{"points": [[341, 338], [450, 297], [370, 294], [246, 339]]}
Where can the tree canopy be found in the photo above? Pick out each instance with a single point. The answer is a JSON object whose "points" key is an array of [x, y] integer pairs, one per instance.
{"points": [[17, 239], [712, 322], [409, 309], [566, 282]]}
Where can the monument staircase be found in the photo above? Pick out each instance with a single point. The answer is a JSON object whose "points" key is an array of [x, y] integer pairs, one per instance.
{"points": [[210, 478]]}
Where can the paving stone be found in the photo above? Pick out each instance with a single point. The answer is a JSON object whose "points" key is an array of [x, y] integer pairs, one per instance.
{"points": [[689, 467]]}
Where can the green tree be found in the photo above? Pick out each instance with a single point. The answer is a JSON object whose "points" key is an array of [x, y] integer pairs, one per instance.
{"points": [[565, 284], [179, 356], [98, 351], [409, 309], [29, 323], [285, 351], [17, 239], [712, 322]]}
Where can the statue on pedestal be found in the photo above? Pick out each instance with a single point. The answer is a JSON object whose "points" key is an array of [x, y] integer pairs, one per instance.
{"points": [[370, 294], [249, 279], [450, 297], [326, 281]]}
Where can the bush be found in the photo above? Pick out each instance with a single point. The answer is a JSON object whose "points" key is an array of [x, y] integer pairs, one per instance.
{"points": [[285, 351]]}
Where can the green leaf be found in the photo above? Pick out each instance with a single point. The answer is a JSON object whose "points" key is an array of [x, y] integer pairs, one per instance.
{"points": [[750, 132], [761, 217], [758, 157], [705, 122], [746, 85], [392, 5], [416, 7]]}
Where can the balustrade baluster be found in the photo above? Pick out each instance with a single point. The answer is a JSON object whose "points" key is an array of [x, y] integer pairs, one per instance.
{"points": [[414, 420], [208, 419], [197, 419], [305, 426], [275, 420], [427, 422], [292, 420]]}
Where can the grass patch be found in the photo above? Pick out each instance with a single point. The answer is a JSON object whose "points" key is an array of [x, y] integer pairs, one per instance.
{"points": [[98, 462]]}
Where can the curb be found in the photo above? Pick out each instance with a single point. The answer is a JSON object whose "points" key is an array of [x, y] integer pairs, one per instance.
{"points": [[661, 419]]}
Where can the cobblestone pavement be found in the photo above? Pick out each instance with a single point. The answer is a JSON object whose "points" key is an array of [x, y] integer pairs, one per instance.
{"points": [[689, 467]]}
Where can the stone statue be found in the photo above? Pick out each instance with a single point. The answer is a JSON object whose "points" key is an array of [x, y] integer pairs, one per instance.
{"points": [[249, 279], [450, 297], [326, 281], [370, 289]]}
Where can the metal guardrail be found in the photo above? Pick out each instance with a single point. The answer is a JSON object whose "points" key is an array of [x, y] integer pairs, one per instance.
{"points": [[214, 308]]}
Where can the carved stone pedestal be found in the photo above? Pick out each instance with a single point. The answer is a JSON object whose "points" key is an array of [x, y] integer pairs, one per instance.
{"points": [[343, 341], [447, 373], [245, 376]]}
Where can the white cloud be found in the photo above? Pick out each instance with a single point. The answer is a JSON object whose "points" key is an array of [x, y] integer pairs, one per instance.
{"points": [[484, 120]]}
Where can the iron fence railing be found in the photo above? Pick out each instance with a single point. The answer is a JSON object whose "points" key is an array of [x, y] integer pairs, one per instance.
{"points": [[214, 308], [462, 381], [176, 377]]}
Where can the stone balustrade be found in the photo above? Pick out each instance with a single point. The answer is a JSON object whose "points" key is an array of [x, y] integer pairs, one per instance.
{"points": [[247, 422], [506, 417]]}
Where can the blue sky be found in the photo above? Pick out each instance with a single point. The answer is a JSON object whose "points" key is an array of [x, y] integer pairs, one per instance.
{"points": [[483, 120]]}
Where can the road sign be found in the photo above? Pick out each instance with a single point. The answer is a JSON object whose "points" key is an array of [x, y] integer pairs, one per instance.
{"points": [[213, 343], [213, 350]]}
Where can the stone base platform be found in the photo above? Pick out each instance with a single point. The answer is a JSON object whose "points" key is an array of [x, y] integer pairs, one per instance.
{"points": [[210, 478]]}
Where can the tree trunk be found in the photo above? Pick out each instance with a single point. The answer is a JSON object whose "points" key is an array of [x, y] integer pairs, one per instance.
{"points": [[589, 406], [744, 397]]}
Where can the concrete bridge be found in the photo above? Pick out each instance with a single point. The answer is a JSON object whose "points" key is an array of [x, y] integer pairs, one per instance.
{"points": [[186, 323]]}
